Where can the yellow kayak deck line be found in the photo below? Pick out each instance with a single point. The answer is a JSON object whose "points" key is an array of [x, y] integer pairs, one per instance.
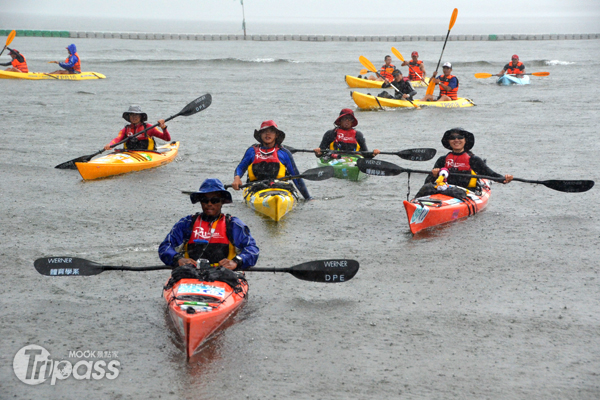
{"points": [[369, 102], [354, 82], [273, 203], [36, 76]]}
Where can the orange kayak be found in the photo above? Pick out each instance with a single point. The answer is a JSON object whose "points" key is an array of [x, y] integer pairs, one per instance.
{"points": [[438, 209], [122, 162], [199, 308]]}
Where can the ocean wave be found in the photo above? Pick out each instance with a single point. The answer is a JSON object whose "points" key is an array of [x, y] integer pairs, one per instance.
{"points": [[558, 62]]}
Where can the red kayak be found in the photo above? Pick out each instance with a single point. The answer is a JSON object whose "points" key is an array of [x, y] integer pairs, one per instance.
{"points": [[437, 209]]}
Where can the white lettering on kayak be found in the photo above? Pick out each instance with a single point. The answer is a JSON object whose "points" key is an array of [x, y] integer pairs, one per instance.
{"points": [[334, 278], [336, 264], [57, 260]]}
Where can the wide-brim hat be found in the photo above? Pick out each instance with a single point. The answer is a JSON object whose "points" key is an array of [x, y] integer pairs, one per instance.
{"points": [[343, 113], [266, 125], [469, 138], [211, 185], [135, 110]]}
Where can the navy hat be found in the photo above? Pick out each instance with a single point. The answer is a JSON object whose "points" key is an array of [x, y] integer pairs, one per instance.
{"points": [[135, 110], [211, 185], [469, 138]]}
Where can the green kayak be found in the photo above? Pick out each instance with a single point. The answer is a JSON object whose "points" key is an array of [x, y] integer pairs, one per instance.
{"points": [[343, 167]]}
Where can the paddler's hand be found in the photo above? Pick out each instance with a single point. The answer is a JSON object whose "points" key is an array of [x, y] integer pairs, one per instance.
{"points": [[107, 147], [375, 152], [52, 62], [185, 261], [237, 182], [435, 172], [161, 124], [507, 178], [229, 264], [317, 152]]}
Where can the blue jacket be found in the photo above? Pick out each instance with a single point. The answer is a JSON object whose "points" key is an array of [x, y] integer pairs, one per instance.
{"points": [[182, 230], [72, 58], [285, 157]]}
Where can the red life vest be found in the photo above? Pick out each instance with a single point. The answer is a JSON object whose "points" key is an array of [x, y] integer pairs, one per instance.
{"points": [[266, 164], [414, 68], [77, 66], [452, 93], [386, 72], [210, 240], [141, 142], [460, 163], [345, 140], [20, 65], [515, 69]]}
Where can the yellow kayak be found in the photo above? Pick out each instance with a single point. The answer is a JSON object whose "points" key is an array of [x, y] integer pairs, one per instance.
{"points": [[355, 82], [42, 75], [274, 203], [123, 162], [369, 102]]}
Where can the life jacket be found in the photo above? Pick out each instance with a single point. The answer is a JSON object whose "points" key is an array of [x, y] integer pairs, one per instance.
{"points": [[210, 240], [414, 68], [20, 65], [460, 163], [452, 93], [77, 66], [141, 142], [266, 164], [386, 72], [515, 69], [345, 140]]}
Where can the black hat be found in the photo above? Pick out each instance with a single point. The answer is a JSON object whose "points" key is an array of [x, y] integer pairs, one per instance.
{"points": [[469, 138]]}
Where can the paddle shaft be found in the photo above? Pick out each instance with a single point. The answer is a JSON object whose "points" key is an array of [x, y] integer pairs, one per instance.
{"points": [[452, 21], [9, 39]]}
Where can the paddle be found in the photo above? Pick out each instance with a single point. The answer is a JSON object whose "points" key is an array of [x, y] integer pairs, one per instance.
{"points": [[192, 108], [383, 168], [399, 55], [431, 86], [314, 174], [483, 75], [326, 271], [9, 39], [424, 154], [369, 65]]}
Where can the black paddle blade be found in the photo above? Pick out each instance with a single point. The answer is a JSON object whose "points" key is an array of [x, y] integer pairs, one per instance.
{"points": [[417, 154], [318, 174], [377, 167], [71, 164], [201, 103], [326, 271], [66, 266], [569, 186]]}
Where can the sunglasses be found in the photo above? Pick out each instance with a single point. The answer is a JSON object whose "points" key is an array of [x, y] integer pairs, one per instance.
{"points": [[455, 137], [211, 200]]}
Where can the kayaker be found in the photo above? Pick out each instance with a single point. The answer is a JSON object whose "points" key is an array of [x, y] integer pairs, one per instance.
{"points": [[385, 71], [344, 137], [72, 65], [416, 69], [403, 90], [268, 160], [18, 63], [137, 120], [448, 85], [514, 67], [460, 159], [221, 239]]}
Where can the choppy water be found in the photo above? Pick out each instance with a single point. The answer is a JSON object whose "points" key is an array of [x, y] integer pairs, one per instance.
{"points": [[501, 305]]}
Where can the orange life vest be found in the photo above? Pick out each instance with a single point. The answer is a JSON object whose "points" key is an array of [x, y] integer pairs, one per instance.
{"points": [[386, 72], [21, 66], [77, 66], [210, 240], [452, 93], [414, 68], [515, 69]]}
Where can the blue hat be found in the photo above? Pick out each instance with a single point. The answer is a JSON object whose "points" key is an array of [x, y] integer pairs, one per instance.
{"points": [[211, 185]]}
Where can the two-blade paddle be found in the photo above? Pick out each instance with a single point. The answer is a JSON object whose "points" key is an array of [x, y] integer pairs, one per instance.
{"points": [[424, 154], [9, 39], [399, 56], [483, 75], [201, 103], [369, 65], [383, 168], [431, 86], [326, 271]]}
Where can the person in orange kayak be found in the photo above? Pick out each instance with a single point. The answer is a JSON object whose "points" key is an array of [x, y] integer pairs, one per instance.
{"points": [[137, 123], [18, 63], [268, 160], [459, 160], [385, 71], [344, 137], [72, 65], [221, 239], [514, 67], [448, 85], [416, 69]]}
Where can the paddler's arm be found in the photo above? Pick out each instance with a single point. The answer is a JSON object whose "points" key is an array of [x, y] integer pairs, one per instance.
{"points": [[161, 133], [242, 168], [119, 137], [288, 161], [180, 232], [243, 241], [328, 137]]}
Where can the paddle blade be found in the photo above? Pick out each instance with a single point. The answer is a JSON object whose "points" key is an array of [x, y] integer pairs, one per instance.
{"points": [[482, 75], [569, 186], [318, 174], [325, 271], [417, 154], [540, 73], [10, 37], [378, 167], [397, 54], [66, 266], [363, 71], [430, 87], [201, 103], [71, 164], [367, 64], [453, 18]]}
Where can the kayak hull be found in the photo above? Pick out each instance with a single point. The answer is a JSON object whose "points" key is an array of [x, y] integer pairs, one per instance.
{"points": [[437, 209], [36, 76], [369, 102], [507, 80], [355, 82], [195, 328], [273, 203], [127, 161], [344, 167]]}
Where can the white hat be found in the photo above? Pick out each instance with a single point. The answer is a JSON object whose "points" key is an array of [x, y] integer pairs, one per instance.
{"points": [[447, 64]]}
